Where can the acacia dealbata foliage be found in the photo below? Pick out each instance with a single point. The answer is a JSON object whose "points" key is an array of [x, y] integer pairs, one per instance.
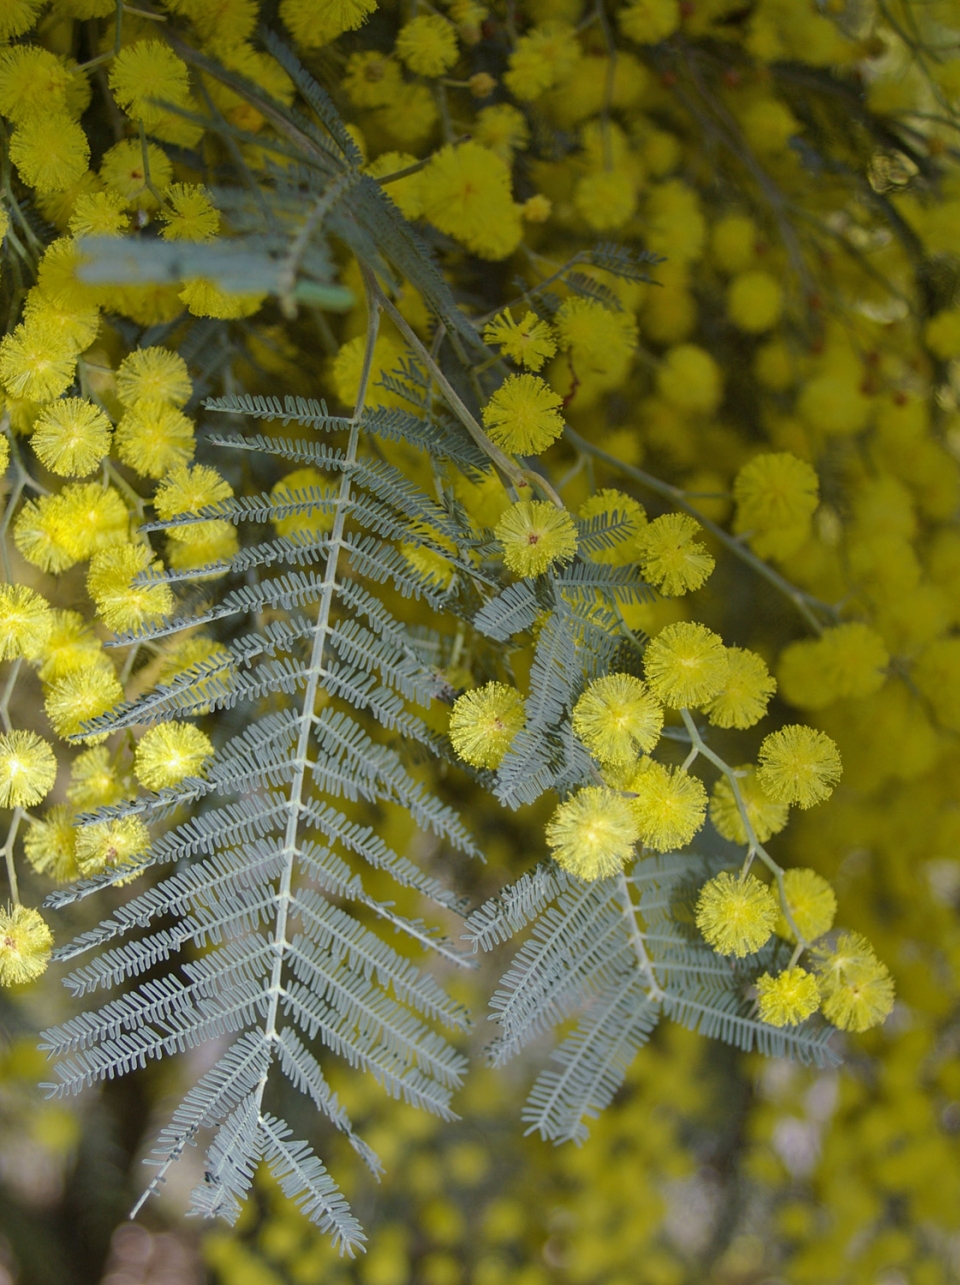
{"points": [[480, 538]]}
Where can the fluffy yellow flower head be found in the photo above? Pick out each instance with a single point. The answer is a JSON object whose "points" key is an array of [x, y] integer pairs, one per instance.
{"points": [[98, 214], [427, 44], [467, 194], [593, 833], [746, 691], [857, 988], [690, 380], [812, 903], [36, 361], [541, 58], [169, 752], [117, 842], [483, 722], [600, 341], [503, 129], [80, 697], [153, 375], [312, 25], [50, 845], [71, 437], [799, 765], [788, 998], [617, 718], [529, 342], [122, 604], [34, 80], [670, 805], [847, 661], [25, 622], [189, 214], [28, 769], [766, 817], [122, 171], [523, 415], [149, 70], [71, 645], [25, 944], [371, 79], [736, 913], [754, 302], [95, 781], [776, 495], [671, 558], [535, 535], [153, 437], [50, 150], [686, 665], [649, 21]]}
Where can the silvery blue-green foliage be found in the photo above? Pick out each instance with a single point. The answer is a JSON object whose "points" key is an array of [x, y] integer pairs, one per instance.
{"points": [[619, 953], [265, 871]]}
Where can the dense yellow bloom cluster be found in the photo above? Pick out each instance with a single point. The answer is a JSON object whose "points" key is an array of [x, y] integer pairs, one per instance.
{"points": [[785, 400]]}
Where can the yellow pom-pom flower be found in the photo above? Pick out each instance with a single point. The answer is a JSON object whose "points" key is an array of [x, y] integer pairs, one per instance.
{"points": [[34, 80], [535, 535], [541, 58], [81, 696], [28, 769], [153, 437], [523, 415], [25, 945], [736, 913], [690, 380], [857, 988], [122, 171], [812, 904], [529, 342], [169, 752], [849, 660], [50, 845], [765, 816], [799, 765], [746, 693], [71, 645], [36, 362], [98, 214], [427, 44], [117, 842], [776, 495], [189, 214], [686, 665], [483, 723], [593, 833], [754, 302], [25, 622], [50, 150], [153, 375], [121, 604], [671, 558], [617, 718], [649, 21], [466, 193], [669, 804], [88, 518], [72, 436], [40, 535], [312, 25], [95, 781], [788, 998], [146, 73]]}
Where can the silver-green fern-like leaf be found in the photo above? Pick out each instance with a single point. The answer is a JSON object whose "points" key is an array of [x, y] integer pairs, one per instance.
{"points": [[268, 873]]}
